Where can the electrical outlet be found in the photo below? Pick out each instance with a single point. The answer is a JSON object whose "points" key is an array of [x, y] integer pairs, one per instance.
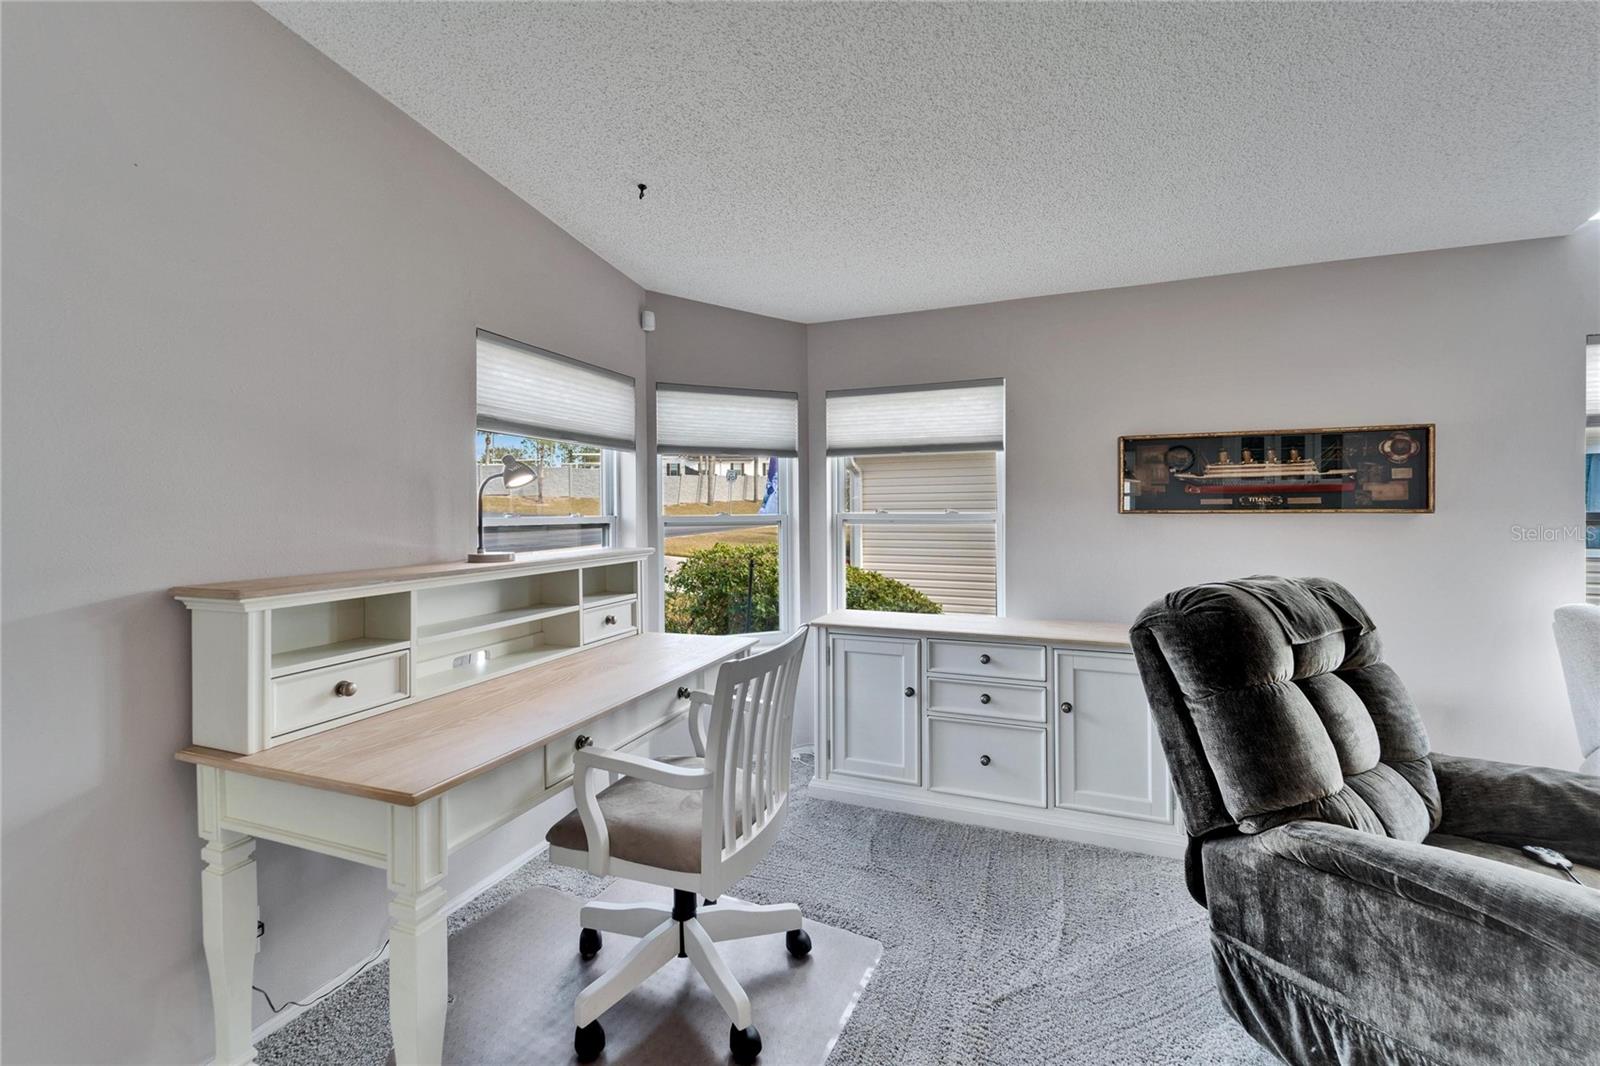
{"points": [[471, 658]]}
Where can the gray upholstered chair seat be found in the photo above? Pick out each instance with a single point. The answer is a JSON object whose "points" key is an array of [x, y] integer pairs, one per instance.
{"points": [[650, 824], [1589, 875]]}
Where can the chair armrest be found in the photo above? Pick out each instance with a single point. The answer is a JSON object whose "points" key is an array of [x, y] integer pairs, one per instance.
{"points": [[1504, 803], [585, 760], [697, 728], [1563, 917], [689, 778]]}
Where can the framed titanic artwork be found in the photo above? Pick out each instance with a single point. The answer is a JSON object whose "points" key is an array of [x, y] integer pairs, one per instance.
{"points": [[1349, 469]]}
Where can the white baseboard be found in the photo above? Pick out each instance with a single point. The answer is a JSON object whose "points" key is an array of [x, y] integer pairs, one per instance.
{"points": [[455, 903], [1147, 838]]}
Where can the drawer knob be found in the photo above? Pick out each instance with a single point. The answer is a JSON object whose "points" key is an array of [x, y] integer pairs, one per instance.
{"points": [[611, 619], [683, 692], [910, 691], [984, 760], [983, 698], [345, 688], [984, 658], [1066, 706], [582, 742]]}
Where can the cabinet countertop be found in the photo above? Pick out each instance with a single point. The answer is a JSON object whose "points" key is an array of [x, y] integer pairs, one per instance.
{"points": [[1111, 635]]}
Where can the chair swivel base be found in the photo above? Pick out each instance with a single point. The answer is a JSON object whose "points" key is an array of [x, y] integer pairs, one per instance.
{"points": [[678, 932]]}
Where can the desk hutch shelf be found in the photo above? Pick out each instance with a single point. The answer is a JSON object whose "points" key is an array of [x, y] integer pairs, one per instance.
{"points": [[284, 658]]}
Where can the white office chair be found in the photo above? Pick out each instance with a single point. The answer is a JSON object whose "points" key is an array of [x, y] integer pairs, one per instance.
{"points": [[694, 825], [1578, 640]]}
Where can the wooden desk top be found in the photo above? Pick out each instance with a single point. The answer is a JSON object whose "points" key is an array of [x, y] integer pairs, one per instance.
{"points": [[969, 626], [376, 580], [416, 752]]}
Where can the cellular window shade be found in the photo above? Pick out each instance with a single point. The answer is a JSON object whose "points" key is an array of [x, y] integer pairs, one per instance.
{"points": [[956, 417], [700, 420], [535, 393]]}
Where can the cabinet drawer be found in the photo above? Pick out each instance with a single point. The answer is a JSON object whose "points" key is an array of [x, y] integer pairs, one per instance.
{"points": [[622, 726], [993, 762], [1014, 703], [1015, 662], [610, 620], [317, 696]]}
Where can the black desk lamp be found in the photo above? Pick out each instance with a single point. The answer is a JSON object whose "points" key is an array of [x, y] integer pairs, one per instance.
{"points": [[515, 474]]}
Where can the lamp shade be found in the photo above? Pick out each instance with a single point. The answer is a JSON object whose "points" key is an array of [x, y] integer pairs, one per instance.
{"points": [[516, 474]]}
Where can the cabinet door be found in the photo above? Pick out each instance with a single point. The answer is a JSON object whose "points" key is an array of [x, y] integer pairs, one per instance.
{"points": [[1108, 754], [876, 693]]}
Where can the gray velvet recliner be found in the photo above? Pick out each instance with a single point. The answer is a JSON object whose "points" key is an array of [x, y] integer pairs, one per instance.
{"points": [[1369, 902]]}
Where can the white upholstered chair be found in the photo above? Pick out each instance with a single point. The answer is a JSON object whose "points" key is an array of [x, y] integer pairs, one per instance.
{"points": [[694, 825], [1578, 640]]}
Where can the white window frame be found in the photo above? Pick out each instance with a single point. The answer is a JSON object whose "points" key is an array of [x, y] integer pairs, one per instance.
{"points": [[788, 552], [610, 515], [839, 520]]}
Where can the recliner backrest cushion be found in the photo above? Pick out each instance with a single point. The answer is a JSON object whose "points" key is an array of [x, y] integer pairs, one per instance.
{"points": [[1274, 704]]}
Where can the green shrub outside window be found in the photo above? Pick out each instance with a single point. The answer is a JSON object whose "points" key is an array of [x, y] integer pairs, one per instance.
{"points": [[731, 588]]}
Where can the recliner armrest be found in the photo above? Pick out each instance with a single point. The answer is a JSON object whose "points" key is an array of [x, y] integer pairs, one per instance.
{"points": [[1564, 917], [1504, 803]]}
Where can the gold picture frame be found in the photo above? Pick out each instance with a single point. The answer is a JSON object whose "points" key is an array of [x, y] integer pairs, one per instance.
{"points": [[1376, 469]]}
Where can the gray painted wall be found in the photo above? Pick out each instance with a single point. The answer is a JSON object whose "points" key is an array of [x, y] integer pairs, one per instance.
{"points": [[1487, 342], [226, 262]]}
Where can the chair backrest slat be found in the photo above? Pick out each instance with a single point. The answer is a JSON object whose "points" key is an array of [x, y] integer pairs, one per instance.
{"points": [[747, 746]]}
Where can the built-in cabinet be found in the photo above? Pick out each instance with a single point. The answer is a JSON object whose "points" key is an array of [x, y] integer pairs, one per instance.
{"points": [[1035, 726], [875, 686]]}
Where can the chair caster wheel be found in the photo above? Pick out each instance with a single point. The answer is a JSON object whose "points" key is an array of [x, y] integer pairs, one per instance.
{"points": [[799, 942], [744, 1044], [589, 944], [590, 1040]]}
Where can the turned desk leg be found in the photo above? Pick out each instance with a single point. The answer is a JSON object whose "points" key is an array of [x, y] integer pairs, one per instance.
{"points": [[418, 956], [228, 916]]}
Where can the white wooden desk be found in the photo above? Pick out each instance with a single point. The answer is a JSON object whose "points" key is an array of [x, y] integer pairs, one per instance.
{"points": [[404, 788]]}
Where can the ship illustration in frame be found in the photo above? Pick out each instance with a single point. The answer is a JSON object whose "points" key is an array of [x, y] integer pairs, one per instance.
{"points": [[1349, 469]]}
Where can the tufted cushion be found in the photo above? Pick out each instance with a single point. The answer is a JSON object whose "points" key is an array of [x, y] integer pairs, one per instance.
{"points": [[1275, 705]]}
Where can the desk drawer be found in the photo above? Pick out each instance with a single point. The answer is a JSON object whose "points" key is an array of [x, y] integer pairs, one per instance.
{"points": [[300, 701], [1016, 703], [610, 620], [1012, 662], [622, 726], [993, 762]]}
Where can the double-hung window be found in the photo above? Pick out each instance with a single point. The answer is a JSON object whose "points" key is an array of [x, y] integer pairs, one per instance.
{"points": [[726, 482], [568, 421], [918, 487]]}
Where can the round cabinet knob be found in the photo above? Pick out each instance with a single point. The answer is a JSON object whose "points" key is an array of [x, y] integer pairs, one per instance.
{"points": [[345, 688], [984, 760], [984, 658], [582, 742], [611, 619], [683, 692], [910, 691], [1066, 706], [984, 698]]}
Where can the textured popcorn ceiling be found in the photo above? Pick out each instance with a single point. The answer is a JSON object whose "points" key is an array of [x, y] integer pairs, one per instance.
{"points": [[823, 161]]}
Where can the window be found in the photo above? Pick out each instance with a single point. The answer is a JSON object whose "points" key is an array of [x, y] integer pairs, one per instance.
{"points": [[571, 503], [918, 486], [1591, 473], [726, 485], [568, 421]]}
